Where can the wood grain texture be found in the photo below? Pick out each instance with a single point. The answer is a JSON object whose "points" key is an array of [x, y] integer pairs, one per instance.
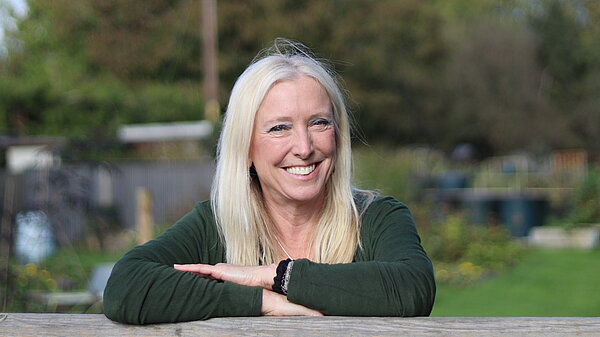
{"points": [[17, 324]]}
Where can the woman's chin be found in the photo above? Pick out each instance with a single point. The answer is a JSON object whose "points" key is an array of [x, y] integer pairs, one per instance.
{"points": [[306, 197]]}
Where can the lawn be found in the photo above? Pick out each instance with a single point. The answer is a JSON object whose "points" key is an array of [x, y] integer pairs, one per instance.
{"points": [[545, 283]]}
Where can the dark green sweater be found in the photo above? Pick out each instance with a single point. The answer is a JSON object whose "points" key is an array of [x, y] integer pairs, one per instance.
{"points": [[391, 275]]}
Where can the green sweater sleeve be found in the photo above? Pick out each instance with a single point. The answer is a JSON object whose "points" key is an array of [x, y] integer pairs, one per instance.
{"points": [[391, 275], [144, 288]]}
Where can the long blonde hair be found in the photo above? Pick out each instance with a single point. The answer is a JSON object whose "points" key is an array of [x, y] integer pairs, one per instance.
{"points": [[250, 238]]}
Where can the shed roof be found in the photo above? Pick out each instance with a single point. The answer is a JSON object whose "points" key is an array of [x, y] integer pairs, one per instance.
{"points": [[158, 132]]}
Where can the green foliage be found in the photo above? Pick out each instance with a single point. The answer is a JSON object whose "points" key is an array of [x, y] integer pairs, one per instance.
{"points": [[570, 68], [400, 173], [158, 102], [394, 67], [64, 79], [463, 253], [391, 176], [31, 277], [586, 200], [493, 81], [21, 281], [561, 34], [500, 75], [68, 269], [74, 266]]}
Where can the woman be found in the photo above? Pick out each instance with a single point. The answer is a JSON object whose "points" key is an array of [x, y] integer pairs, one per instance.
{"points": [[284, 232]]}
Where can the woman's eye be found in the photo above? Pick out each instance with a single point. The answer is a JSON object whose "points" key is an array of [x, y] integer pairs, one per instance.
{"points": [[279, 128], [321, 123]]}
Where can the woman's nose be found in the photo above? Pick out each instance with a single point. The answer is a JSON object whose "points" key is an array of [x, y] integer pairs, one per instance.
{"points": [[303, 146]]}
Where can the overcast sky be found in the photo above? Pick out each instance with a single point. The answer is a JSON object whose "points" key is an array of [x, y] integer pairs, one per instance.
{"points": [[20, 8]]}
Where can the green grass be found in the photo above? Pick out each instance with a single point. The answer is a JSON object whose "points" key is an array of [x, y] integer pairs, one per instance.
{"points": [[545, 283]]}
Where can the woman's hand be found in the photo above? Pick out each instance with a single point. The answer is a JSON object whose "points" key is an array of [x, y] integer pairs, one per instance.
{"points": [[274, 304], [252, 276]]}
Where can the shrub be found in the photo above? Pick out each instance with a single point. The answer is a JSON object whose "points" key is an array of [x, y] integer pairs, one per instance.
{"points": [[21, 281], [586, 200], [463, 253]]}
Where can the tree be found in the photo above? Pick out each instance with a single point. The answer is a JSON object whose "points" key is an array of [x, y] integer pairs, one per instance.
{"points": [[569, 53], [493, 84], [84, 64], [391, 67], [501, 74]]}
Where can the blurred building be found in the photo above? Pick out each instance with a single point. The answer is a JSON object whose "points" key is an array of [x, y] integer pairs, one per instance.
{"points": [[180, 140], [80, 199]]}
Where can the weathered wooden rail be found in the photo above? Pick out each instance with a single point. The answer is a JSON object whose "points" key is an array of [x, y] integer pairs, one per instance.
{"points": [[17, 324]]}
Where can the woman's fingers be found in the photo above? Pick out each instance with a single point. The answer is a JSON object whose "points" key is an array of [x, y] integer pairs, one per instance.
{"points": [[253, 276], [202, 270]]}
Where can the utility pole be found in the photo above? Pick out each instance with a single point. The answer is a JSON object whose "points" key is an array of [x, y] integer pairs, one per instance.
{"points": [[209, 53]]}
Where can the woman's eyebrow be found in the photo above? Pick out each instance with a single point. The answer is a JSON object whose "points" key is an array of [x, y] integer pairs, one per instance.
{"points": [[277, 119], [325, 113]]}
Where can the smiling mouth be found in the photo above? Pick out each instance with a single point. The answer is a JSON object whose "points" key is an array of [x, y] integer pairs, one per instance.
{"points": [[301, 170]]}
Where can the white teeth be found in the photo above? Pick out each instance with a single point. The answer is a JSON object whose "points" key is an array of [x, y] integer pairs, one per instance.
{"points": [[301, 170]]}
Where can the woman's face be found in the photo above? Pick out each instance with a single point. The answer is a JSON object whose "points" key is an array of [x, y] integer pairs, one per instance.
{"points": [[293, 142]]}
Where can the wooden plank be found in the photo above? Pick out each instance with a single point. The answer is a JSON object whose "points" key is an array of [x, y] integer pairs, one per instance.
{"points": [[17, 324]]}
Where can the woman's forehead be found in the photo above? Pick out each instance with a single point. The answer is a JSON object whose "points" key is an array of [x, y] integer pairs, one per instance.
{"points": [[304, 90]]}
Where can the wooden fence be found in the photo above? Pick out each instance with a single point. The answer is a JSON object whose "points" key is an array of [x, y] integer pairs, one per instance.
{"points": [[98, 325]]}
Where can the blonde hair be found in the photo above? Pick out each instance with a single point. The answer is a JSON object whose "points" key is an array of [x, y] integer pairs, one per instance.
{"points": [[245, 228]]}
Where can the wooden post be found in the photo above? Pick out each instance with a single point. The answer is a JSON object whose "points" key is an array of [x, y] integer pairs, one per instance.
{"points": [[145, 223]]}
